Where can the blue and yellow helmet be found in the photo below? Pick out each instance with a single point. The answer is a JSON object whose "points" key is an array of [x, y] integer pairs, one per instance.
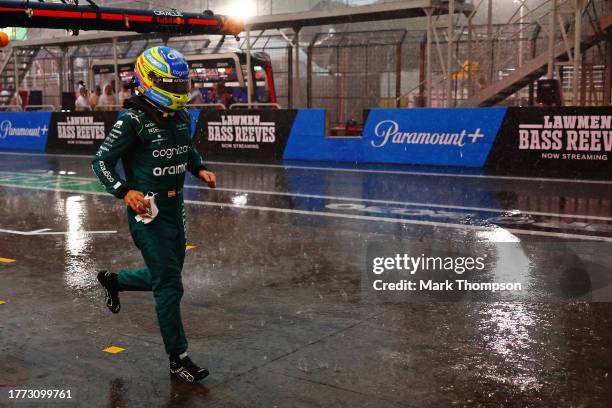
{"points": [[162, 76]]}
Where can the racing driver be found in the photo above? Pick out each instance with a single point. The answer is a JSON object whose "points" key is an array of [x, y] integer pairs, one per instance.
{"points": [[153, 141]]}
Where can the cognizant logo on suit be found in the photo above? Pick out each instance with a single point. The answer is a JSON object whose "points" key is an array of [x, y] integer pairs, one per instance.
{"points": [[171, 151]]}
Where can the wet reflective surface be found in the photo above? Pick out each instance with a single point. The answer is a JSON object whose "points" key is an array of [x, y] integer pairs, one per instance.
{"points": [[274, 305]]}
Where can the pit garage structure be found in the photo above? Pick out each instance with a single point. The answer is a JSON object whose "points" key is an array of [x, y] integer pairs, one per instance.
{"points": [[286, 29], [451, 54]]}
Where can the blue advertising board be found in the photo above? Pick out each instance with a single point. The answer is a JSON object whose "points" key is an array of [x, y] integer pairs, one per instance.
{"points": [[445, 137], [307, 140], [24, 130]]}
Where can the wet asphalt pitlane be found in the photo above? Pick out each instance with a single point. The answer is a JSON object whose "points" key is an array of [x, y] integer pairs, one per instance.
{"points": [[276, 301]]}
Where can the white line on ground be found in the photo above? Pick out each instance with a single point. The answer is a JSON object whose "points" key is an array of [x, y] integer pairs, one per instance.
{"points": [[402, 221], [416, 173], [352, 170], [353, 217], [366, 200], [406, 203], [45, 231]]}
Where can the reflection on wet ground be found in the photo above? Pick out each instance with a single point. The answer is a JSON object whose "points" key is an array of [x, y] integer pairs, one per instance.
{"points": [[274, 304]]}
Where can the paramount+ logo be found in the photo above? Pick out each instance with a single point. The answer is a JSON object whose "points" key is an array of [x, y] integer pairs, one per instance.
{"points": [[388, 132], [7, 129]]}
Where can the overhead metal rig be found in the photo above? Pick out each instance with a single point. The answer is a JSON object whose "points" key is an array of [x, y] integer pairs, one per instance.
{"points": [[74, 17]]}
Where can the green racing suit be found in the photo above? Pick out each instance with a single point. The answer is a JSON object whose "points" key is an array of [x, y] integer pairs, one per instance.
{"points": [[155, 153]]}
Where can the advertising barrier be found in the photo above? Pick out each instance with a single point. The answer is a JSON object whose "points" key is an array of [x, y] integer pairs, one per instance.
{"points": [[307, 140], [61, 132], [441, 137], [24, 130], [447, 137], [566, 141], [246, 134], [569, 141], [79, 132]]}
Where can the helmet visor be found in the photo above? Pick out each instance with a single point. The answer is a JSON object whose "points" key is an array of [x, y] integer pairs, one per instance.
{"points": [[173, 85]]}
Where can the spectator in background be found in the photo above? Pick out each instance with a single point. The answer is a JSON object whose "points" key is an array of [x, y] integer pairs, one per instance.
{"points": [[215, 93], [7, 97], [107, 99], [125, 93], [196, 94], [77, 92], [93, 99], [82, 102], [80, 85], [221, 94], [227, 99]]}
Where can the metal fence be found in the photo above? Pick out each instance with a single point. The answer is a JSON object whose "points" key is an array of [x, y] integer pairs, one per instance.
{"points": [[279, 49], [484, 54], [350, 72], [54, 71]]}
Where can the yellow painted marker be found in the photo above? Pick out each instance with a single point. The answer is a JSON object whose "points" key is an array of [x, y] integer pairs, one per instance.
{"points": [[2, 302], [113, 349], [190, 247], [7, 260]]}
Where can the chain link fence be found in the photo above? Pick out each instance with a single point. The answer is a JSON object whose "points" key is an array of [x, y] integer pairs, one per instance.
{"points": [[279, 49], [350, 72]]}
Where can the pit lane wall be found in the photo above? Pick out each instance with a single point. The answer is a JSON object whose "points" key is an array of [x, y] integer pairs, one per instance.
{"points": [[60, 132], [568, 141], [24, 130]]}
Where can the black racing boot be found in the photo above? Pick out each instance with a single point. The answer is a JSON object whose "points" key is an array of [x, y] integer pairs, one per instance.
{"points": [[111, 288], [186, 369]]}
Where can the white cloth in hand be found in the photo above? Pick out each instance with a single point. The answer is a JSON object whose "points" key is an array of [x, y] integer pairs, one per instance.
{"points": [[151, 212]]}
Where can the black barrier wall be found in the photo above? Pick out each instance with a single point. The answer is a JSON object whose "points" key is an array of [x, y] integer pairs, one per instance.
{"points": [[78, 132], [244, 134], [568, 141]]}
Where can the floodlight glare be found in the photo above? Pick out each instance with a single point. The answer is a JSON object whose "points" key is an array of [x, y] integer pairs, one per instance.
{"points": [[242, 9]]}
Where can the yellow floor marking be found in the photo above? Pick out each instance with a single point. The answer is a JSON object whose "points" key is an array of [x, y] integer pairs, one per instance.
{"points": [[113, 349], [7, 260], [189, 247], [2, 302]]}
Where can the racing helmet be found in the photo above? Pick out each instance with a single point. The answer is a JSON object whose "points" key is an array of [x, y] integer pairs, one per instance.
{"points": [[162, 76]]}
